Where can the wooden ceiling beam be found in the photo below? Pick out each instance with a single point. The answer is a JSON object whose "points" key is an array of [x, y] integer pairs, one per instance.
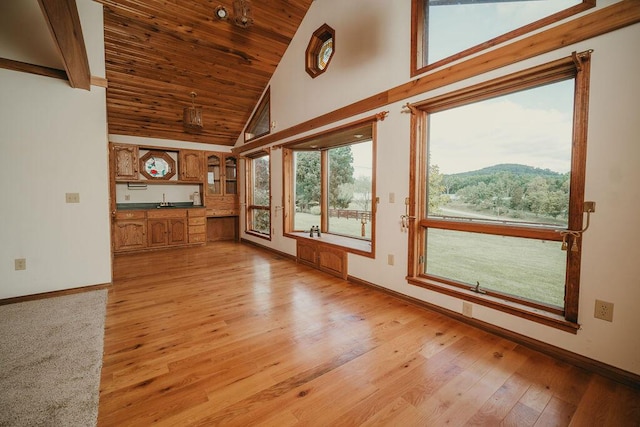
{"points": [[64, 23]]}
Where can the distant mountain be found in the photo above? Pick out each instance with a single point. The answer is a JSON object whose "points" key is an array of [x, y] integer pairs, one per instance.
{"points": [[516, 169]]}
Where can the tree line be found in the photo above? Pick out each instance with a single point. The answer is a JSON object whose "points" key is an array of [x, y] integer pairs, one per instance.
{"points": [[509, 189]]}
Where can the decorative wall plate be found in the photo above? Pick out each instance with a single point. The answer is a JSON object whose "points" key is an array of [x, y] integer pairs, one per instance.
{"points": [[157, 165]]}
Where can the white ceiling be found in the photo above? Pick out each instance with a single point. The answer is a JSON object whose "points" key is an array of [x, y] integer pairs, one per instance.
{"points": [[24, 35]]}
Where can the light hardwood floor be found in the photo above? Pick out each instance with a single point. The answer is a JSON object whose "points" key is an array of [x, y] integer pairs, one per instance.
{"points": [[229, 334]]}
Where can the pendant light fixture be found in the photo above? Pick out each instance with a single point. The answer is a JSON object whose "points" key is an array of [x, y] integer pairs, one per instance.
{"points": [[242, 15], [192, 117]]}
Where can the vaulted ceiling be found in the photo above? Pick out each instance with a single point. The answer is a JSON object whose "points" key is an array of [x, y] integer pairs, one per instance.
{"points": [[159, 51]]}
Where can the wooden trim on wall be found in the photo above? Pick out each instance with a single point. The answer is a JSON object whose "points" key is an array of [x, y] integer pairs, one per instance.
{"points": [[600, 368], [45, 295], [99, 81], [268, 249], [599, 22], [40, 70], [64, 23]]}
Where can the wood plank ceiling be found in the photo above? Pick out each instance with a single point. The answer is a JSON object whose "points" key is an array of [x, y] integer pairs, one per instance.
{"points": [[159, 51]]}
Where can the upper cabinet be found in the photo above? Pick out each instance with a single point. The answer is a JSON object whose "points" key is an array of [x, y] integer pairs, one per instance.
{"points": [[221, 193], [191, 165], [125, 158], [222, 174]]}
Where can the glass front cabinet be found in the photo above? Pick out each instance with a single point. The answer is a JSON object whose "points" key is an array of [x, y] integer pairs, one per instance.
{"points": [[222, 184]]}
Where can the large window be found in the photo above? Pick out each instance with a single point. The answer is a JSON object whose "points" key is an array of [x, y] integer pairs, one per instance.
{"points": [[502, 167], [258, 195], [330, 185], [446, 30]]}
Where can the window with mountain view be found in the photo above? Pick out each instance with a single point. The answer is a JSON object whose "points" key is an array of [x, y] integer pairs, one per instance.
{"points": [[446, 30], [504, 168]]}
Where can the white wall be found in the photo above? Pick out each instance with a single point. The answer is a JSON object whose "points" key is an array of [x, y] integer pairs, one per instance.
{"points": [[53, 141], [372, 55]]}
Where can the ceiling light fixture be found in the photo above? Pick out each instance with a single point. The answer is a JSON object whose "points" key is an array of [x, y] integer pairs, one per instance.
{"points": [[192, 117], [221, 13], [243, 17]]}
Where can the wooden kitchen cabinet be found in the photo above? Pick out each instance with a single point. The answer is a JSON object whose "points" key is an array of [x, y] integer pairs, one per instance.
{"points": [[125, 162], [197, 226], [324, 257], [190, 165], [221, 189], [167, 227], [130, 231]]}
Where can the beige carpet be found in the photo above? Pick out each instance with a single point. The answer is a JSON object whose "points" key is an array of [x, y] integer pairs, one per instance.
{"points": [[50, 360]]}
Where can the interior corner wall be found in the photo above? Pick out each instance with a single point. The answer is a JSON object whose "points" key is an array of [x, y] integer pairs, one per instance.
{"points": [[610, 267], [53, 140]]}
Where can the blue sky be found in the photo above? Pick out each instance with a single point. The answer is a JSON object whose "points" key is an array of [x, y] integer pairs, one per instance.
{"points": [[532, 128], [454, 28]]}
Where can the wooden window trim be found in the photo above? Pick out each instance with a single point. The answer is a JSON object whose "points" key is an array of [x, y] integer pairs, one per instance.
{"points": [[250, 207], [318, 38], [348, 243], [576, 66], [418, 27], [264, 104]]}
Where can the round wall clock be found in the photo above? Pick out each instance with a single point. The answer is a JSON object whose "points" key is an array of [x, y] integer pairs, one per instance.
{"points": [[157, 165]]}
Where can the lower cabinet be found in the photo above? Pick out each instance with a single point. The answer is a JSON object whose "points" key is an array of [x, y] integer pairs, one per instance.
{"points": [[163, 232], [322, 256], [156, 229], [129, 235], [197, 226]]}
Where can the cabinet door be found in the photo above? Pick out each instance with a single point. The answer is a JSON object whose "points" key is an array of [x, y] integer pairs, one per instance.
{"points": [[125, 162], [157, 232], [332, 261], [191, 165], [306, 252], [129, 235], [214, 175], [230, 175], [177, 231]]}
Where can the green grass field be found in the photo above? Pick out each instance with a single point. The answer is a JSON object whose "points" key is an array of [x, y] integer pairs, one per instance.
{"points": [[347, 227], [532, 269]]}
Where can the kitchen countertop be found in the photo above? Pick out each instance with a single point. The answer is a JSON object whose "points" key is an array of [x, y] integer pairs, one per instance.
{"points": [[147, 206]]}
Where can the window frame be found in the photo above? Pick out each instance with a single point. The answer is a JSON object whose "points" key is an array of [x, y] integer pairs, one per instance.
{"points": [[264, 107], [365, 247], [251, 207], [314, 48], [418, 26], [576, 66]]}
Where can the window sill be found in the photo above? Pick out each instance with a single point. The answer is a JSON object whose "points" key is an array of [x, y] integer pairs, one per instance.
{"points": [[355, 246], [533, 314], [256, 234]]}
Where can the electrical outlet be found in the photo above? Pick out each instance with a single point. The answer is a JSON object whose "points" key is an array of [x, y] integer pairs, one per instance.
{"points": [[72, 197], [603, 310], [392, 197], [390, 259], [127, 197], [20, 263], [467, 309]]}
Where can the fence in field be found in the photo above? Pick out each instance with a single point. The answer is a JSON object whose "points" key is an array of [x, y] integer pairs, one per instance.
{"points": [[349, 213]]}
